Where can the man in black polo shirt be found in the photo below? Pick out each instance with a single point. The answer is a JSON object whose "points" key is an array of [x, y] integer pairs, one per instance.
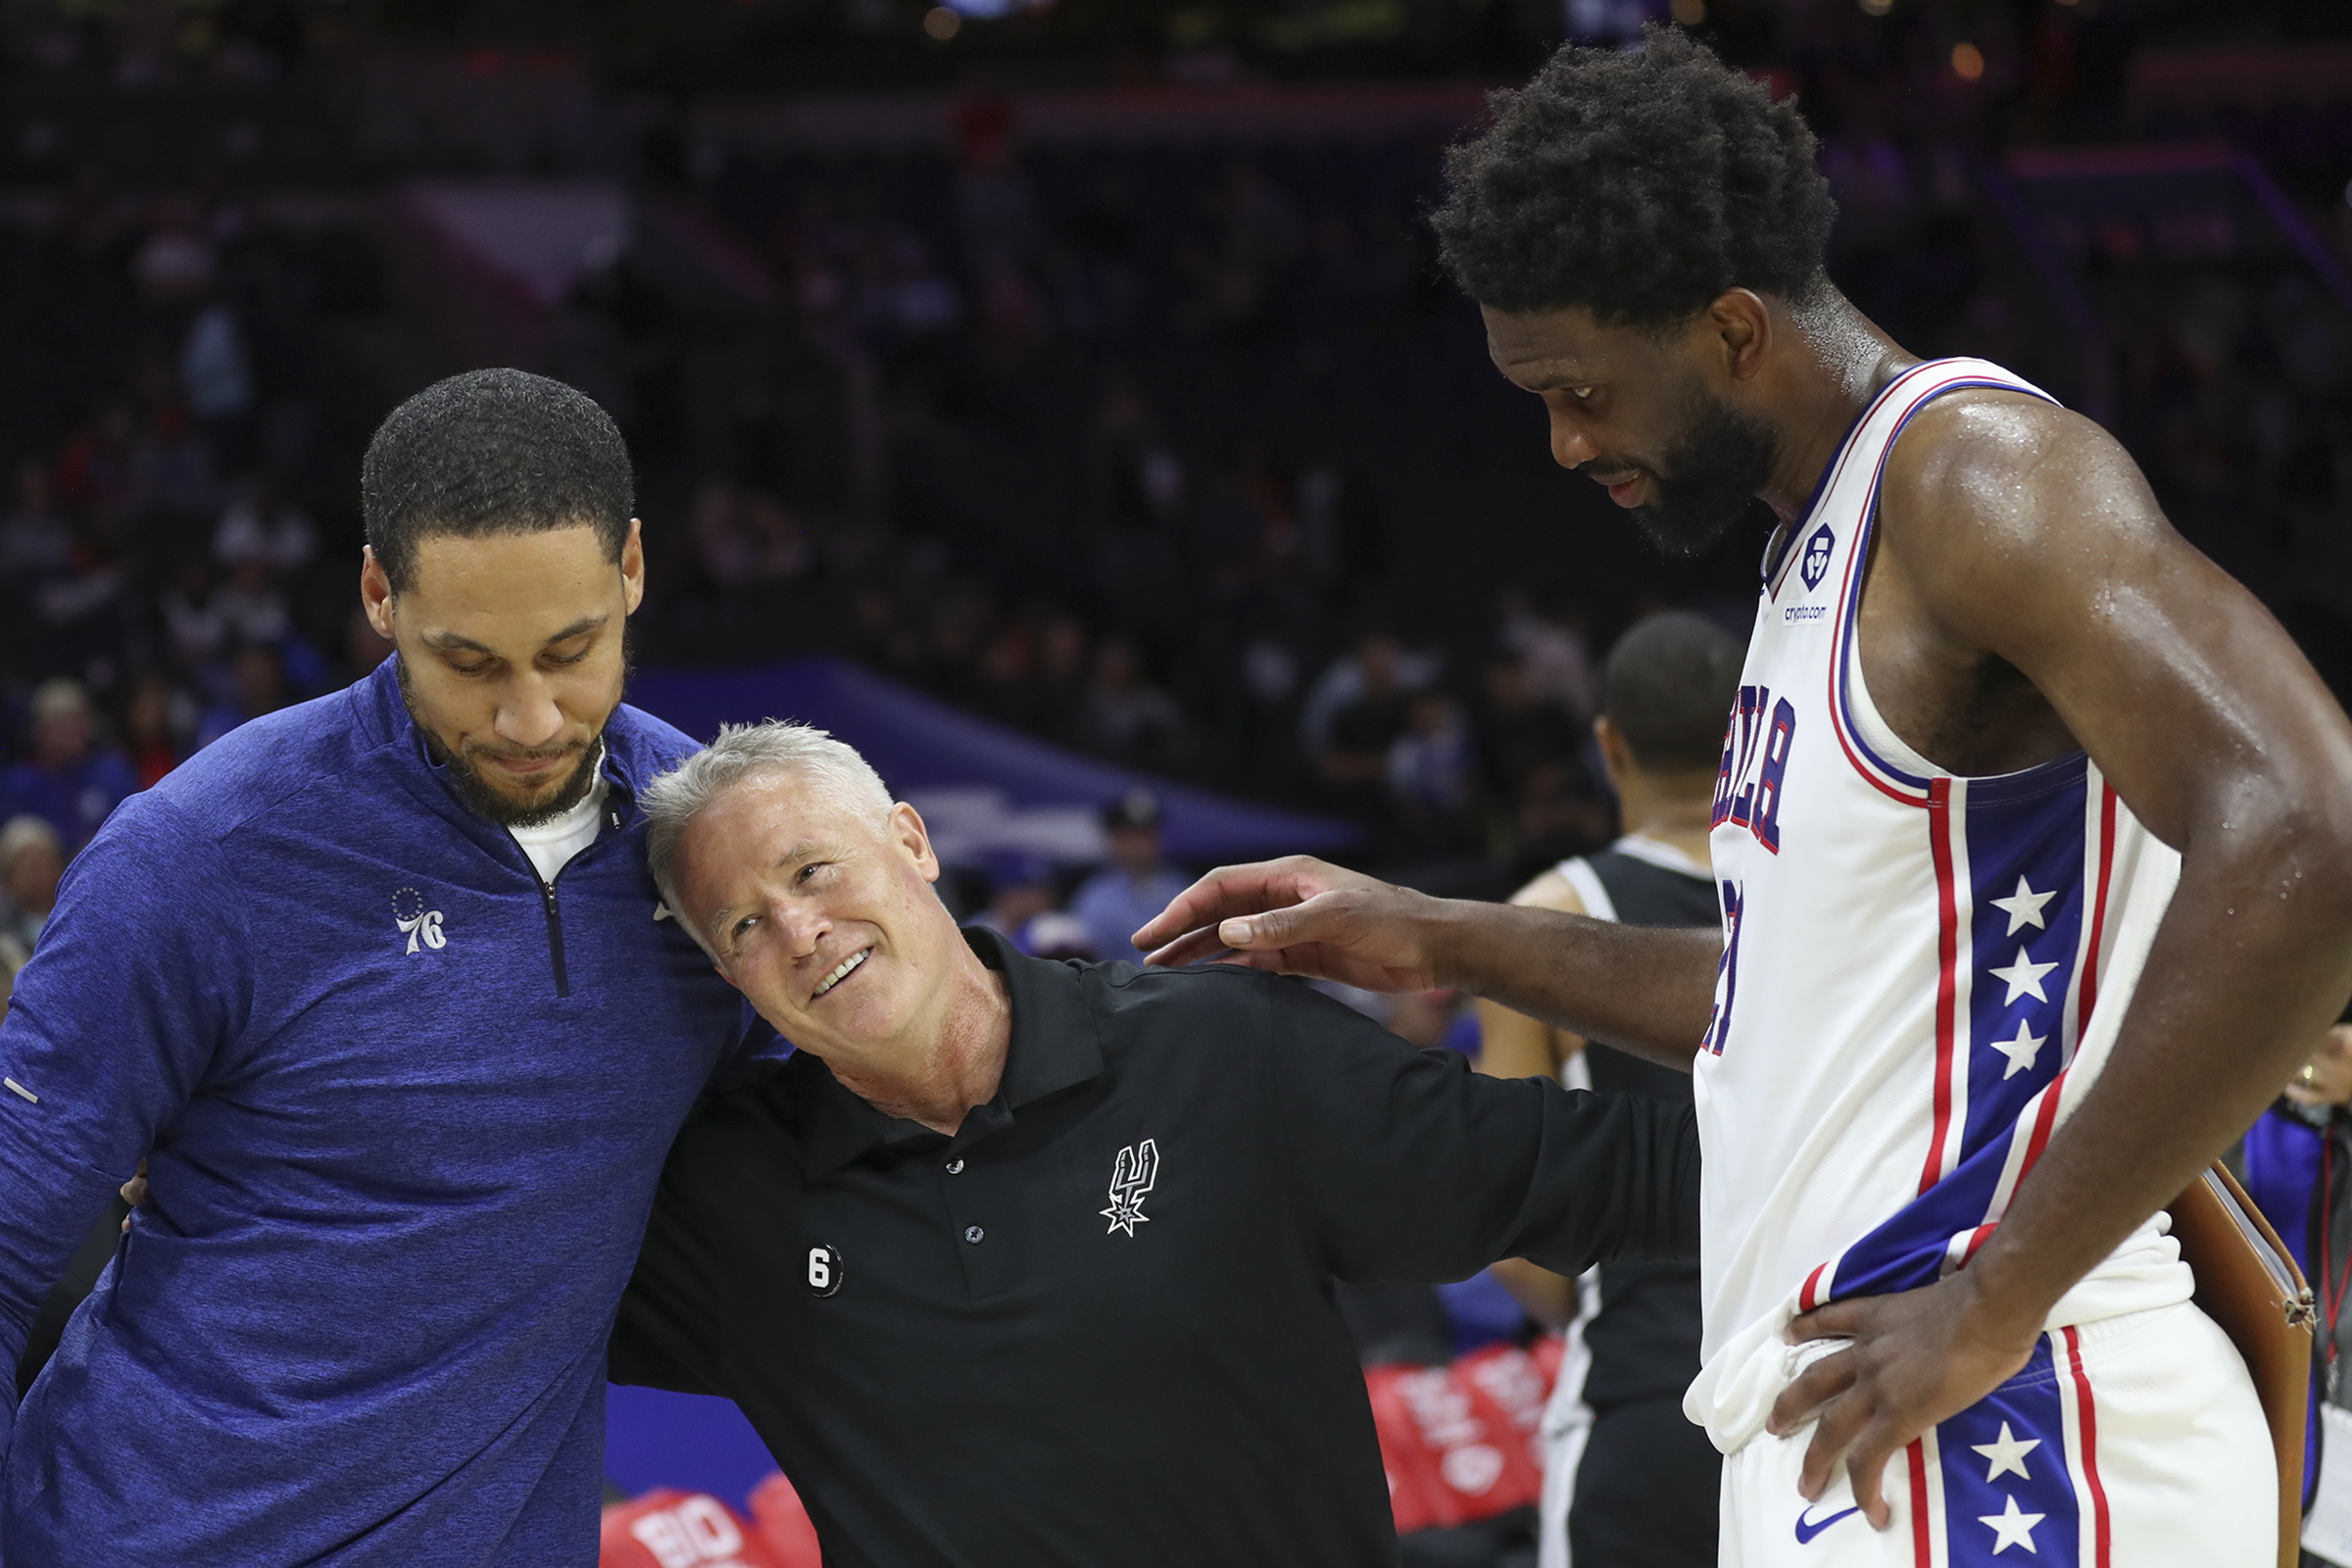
{"points": [[1029, 1262]]}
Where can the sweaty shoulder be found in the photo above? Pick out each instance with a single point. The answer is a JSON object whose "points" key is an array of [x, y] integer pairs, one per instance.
{"points": [[1995, 477]]}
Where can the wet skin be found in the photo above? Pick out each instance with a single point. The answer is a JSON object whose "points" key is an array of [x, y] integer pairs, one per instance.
{"points": [[2024, 597]]}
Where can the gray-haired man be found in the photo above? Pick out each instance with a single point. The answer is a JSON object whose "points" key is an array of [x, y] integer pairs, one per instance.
{"points": [[1027, 1261]]}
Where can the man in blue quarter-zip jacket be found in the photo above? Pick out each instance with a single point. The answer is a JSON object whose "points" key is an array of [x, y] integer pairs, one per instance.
{"points": [[382, 987]]}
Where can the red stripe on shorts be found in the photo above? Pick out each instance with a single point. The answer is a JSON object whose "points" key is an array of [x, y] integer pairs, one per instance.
{"points": [[1921, 1546], [2090, 1445]]}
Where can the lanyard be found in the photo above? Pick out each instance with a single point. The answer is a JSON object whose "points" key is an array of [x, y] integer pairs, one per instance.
{"points": [[2332, 1285]]}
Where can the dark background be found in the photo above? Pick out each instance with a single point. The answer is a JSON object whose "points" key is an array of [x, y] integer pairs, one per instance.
{"points": [[1084, 365]]}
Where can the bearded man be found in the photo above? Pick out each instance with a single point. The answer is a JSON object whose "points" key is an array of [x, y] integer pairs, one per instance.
{"points": [[378, 986], [2031, 839]]}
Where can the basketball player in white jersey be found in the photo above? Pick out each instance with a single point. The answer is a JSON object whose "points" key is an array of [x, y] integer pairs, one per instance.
{"points": [[2034, 854], [1626, 1480]]}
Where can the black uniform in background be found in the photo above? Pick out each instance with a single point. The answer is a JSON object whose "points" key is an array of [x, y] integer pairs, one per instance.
{"points": [[1647, 1486]]}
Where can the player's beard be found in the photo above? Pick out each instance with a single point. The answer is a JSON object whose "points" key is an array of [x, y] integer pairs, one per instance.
{"points": [[478, 794], [1708, 477]]}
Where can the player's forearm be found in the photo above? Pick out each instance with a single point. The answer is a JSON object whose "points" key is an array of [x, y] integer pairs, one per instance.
{"points": [[2251, 963], [1648, 991]]}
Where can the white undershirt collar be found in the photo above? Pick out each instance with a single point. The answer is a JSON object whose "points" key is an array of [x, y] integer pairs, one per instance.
{"points": [[551, 844]]}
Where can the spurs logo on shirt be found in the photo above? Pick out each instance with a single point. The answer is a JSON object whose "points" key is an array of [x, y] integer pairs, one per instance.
{"points": [[417, 923], [1131, 1178], [1922, 974]]}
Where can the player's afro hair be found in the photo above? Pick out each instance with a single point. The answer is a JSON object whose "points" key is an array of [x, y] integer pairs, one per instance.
{"points": [[493, 452], [1638, 183]]}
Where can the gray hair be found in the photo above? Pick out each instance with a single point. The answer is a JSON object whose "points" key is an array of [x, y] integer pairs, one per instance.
{"points": [[24, 832], [740, 754]]}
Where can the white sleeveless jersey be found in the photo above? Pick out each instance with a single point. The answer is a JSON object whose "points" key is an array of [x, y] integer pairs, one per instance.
{"points": [[1922, 973]]}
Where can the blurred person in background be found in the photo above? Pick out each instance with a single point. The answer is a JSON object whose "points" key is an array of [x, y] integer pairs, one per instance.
{"points": [[1136, 885], [1058, 934], [71, 780], [262, 524], [1020, 888], [31, 860], [1125, 717], [193, 614], [1355, 759], [1433, 776], [251, 604], [1626, 1479], [155, 719], [257, 685], [36, 538], [1558, 669], [1519, 728]]}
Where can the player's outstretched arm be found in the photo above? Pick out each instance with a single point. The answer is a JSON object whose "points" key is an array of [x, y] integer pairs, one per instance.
{"points": [[2016, 529], [1649, 991]]}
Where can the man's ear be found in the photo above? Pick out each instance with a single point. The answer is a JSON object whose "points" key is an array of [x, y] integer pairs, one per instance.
{"points": [[375, 593], [906, 830], [632, 569], [1741, 325]]}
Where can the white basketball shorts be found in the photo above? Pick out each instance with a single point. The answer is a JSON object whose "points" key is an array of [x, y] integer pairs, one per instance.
{"points": [[2136, 1441]]}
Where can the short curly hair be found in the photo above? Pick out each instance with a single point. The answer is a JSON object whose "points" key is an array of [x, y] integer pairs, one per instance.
{"points": [[1638, 183], [493, 452]]}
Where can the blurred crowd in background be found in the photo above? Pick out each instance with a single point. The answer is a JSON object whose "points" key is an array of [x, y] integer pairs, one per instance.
{"points": [[1083, 364], [1167, 445]]}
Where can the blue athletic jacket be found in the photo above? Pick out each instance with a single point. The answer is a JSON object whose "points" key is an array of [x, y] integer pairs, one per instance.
{"points": [[406, 1110]]}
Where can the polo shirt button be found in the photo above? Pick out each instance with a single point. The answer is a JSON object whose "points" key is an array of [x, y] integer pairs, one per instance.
{"points": [[974, 1234], [954, 1167]]}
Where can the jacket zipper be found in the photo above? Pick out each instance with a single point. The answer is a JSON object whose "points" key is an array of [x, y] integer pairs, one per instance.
{"points": [[555, 914], [555, 932]]}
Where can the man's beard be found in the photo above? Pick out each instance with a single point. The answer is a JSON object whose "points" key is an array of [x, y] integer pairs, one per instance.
{"points": [[477, 793], [1707, 478]]}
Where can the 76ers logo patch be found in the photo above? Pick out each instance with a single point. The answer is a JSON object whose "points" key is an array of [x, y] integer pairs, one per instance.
{"points": [[1817, 557], [417, 923]]}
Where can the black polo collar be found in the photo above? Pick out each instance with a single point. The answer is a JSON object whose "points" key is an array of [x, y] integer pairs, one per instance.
{"points": [[1055, 1045]]}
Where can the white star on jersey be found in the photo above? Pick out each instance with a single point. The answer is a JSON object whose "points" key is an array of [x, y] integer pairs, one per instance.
{"points": [[2011, 1528], [2024, 908], [2021, 1052], [2008, 1456], [2024, 978]]}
